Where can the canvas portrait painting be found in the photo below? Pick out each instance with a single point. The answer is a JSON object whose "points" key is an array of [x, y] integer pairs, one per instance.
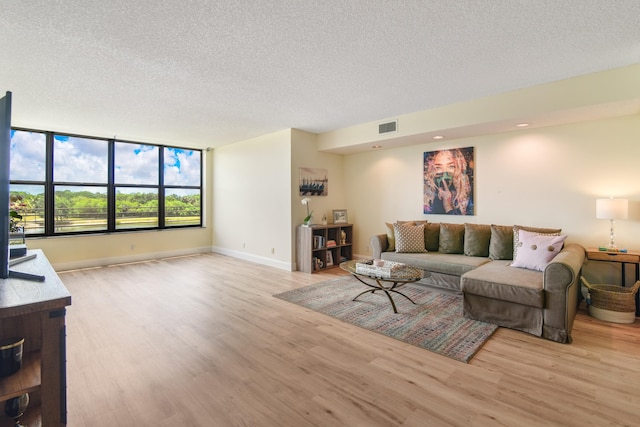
{"points": [[448, 181]]}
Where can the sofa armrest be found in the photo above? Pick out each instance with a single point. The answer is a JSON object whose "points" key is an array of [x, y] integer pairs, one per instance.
{"points": [[561, 287], [565, 268], [378, 245]]}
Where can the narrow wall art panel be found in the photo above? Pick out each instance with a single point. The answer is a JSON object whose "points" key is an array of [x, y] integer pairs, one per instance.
{"points": [[448, 181]]}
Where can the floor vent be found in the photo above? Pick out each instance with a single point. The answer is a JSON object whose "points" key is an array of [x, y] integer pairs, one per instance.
{"points": [[388, 127]]}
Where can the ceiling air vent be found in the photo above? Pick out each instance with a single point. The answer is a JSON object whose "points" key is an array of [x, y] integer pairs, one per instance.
{"points": [[388, 127]]}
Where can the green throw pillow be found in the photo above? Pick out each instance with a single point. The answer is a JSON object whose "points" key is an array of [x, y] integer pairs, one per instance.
{"points": [[501, 245], [451, 238], [476, 239], [391, 237], [432, 236]]}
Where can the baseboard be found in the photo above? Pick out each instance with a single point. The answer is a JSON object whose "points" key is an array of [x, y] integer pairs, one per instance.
{"points": [[147, 256], [282, 265], [92, 263]]}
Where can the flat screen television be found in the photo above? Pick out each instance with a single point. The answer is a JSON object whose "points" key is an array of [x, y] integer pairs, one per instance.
{"points": [[5, 163], [5, 143]]}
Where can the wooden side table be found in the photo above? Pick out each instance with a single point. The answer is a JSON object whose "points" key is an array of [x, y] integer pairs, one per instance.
{"points": [[629, 257]]}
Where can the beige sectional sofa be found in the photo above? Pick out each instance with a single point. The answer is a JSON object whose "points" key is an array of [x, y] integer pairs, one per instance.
{"points": [[476, 259]]}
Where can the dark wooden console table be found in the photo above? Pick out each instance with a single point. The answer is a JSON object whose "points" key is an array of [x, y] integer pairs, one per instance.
{"points": [[36, 312]]}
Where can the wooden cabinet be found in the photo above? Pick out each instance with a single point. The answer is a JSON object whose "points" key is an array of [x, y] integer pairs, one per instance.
{"points": [[36, 312], [321, 247]]}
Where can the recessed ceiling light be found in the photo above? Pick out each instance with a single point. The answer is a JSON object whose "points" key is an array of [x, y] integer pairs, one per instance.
{"points": [[438, 137], [377, 146], [522, 125]]}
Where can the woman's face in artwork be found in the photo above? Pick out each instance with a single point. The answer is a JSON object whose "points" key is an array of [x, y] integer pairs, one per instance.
{"points": [[443, 162]]}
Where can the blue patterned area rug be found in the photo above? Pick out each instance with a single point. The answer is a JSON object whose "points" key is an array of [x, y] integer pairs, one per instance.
{"points": [[435, 323]]}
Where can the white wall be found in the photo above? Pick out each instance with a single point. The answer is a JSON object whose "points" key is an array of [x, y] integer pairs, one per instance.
{"points": [[305, 154], [257, 201], [543, 177], [252, 199]]}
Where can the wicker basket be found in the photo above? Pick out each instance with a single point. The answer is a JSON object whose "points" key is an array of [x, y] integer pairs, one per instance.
{"points": [[611, 303]]}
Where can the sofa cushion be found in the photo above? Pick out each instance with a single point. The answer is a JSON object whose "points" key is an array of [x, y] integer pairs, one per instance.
{"points": [[535, 251], [432, 236], [455, 265], [476, 239], [409, 238], [501, 243], [538, 230], [497, 280], [391, 235], [451, 238]]}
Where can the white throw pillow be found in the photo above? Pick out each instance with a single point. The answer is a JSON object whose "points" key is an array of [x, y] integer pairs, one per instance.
{"points": [[535, 251], [537, 230]]}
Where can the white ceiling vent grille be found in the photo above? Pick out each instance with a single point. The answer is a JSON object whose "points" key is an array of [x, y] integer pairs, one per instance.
{"points": [[389, 127]]}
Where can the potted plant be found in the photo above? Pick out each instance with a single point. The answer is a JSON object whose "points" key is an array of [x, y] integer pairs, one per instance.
{"points": [[307, 220]]}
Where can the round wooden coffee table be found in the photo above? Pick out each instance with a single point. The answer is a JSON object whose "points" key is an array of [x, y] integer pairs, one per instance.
{"points": [[397, 279]]}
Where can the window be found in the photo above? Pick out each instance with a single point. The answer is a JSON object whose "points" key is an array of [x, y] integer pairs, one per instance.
{"points": [[182, 184], [83, 161], [66, 184], [136, 205], [80, 160], [80, 209], [28, 176]]}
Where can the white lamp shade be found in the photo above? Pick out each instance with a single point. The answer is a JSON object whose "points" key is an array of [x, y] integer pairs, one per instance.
{"points": [[612, 208]]}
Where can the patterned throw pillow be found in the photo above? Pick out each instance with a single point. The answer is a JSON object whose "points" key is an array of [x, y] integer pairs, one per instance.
{"points": [[536, 250], [409, 238], [391, 234]]}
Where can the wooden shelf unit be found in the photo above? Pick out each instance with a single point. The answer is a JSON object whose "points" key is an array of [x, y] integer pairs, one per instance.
{"points": [[36, 312], [312, 253]]}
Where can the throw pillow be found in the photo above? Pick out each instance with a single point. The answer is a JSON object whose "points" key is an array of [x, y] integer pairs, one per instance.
{"points": [[432, 236], [391, 236], [537, 230], [536, 250], [501, 244], [451, 238], [476, 239], [409, 238]]}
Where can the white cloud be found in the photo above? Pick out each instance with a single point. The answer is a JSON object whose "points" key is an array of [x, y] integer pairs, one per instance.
{"points": [[27, 156], [181, 167], [79, 160], [136, 164]]}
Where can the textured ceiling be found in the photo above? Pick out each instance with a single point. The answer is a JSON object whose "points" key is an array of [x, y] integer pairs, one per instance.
{"points": [[208, 72]]}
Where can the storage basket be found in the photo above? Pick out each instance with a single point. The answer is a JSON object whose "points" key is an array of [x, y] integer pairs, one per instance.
{"points": [[611, 303]]}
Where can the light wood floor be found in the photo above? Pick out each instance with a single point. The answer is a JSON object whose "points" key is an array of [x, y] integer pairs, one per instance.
{"points": [[200, 341]]}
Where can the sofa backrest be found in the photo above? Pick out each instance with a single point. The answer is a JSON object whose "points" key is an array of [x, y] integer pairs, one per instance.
{"points": [[498, 242]]}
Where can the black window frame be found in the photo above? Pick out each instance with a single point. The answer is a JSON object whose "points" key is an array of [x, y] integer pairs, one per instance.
{"points": [[50, 186]]}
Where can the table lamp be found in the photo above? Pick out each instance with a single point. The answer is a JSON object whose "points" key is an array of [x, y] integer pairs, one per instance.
{"points": [[612, 209]]}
